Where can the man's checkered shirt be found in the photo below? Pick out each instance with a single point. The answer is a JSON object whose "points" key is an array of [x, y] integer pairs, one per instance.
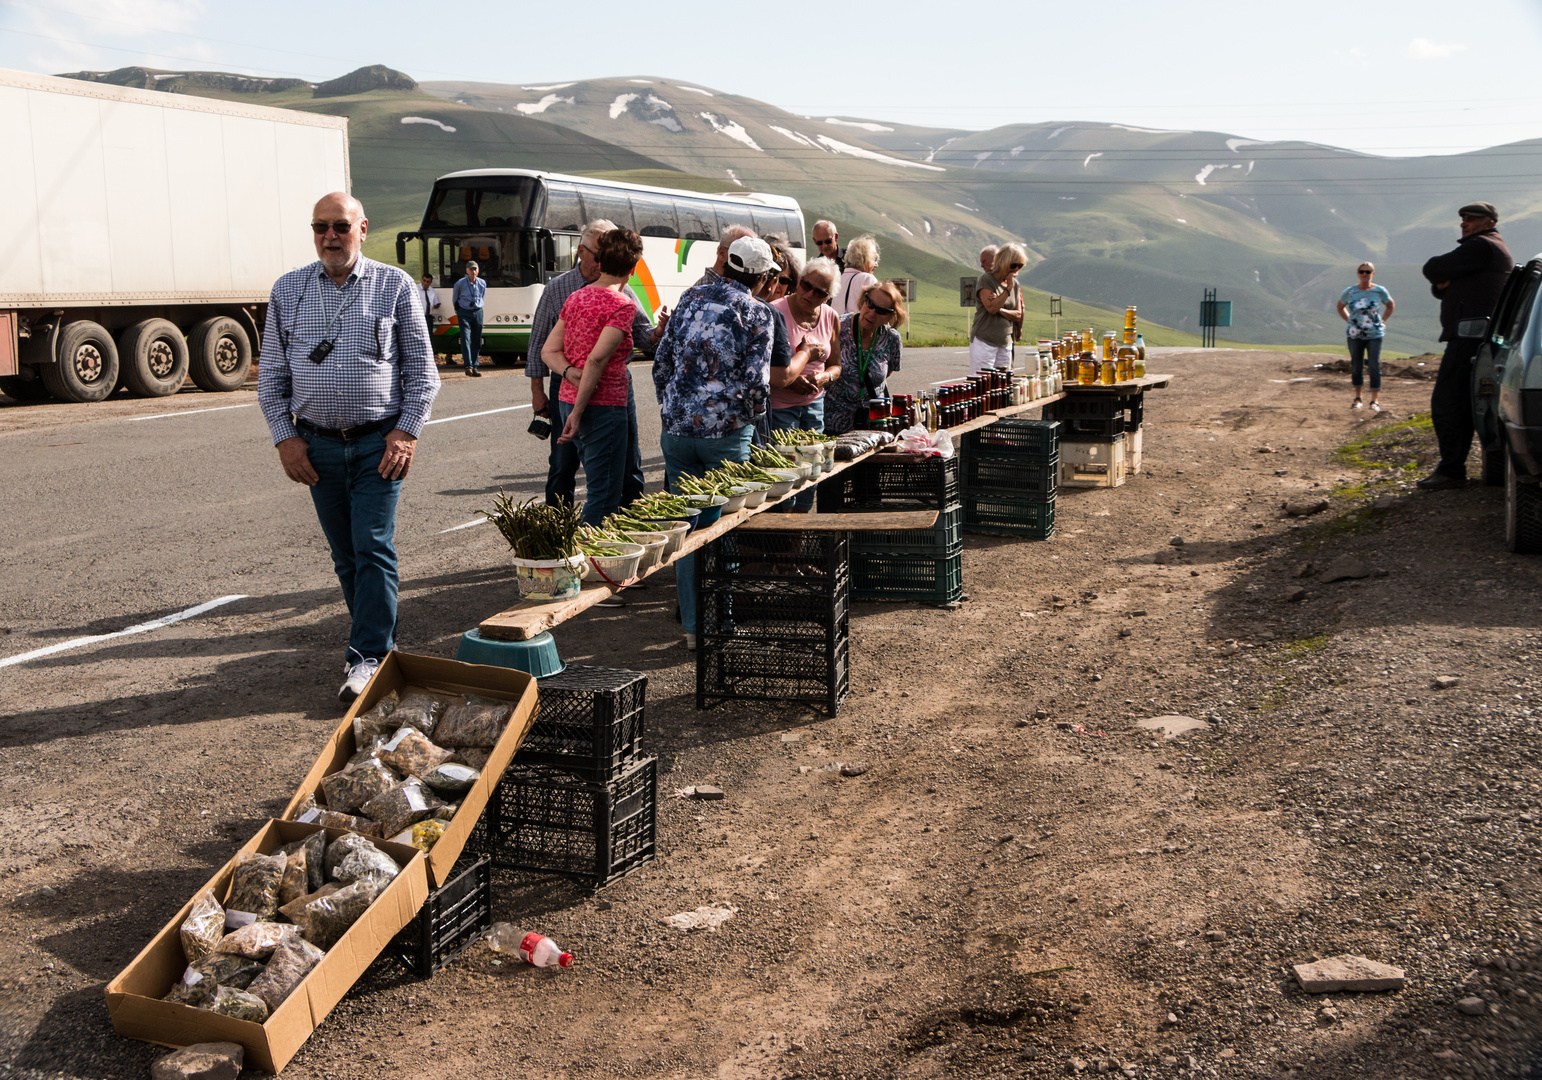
{"points": [[380, 365], [549, 309]]}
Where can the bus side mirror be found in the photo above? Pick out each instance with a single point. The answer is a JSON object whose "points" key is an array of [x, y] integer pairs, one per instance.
{"points": [[401, 251], [1472, 328]]}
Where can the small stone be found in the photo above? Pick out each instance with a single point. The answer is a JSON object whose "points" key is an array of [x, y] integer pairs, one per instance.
{"points": [[1097, 678], [201, 1061], [1176, 541], [705, 792], [1138, 612], [1345, 568], [1446, 682], [1125, 631], [1347, 972], [1327, 1015], [1305, 507], [1215, 935], [1019, 722], [1385, 503], [1078, 1065], [1381, 572], [1472, 1006], [1281, 472], [1164, 557], [1293, 595], [854, 769], [1193, 573], [1227, 1053], [791, 736], [1229, 647], [1305, 569], [1041, 714], [1231, 982], [1265, 450]]}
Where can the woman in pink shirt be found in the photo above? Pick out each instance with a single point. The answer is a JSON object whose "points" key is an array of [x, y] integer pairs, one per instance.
{"points": [[798, 390], [589, 349]]}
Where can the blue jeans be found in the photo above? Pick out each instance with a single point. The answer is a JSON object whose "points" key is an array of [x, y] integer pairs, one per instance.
{"points": [[357, 510], [564, 459], [810, 417], [603, 447], [1363, 351], [686, 456], [470, 335]]}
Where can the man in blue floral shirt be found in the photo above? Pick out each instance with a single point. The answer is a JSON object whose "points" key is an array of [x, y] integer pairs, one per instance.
{"points": [[712, 373]]}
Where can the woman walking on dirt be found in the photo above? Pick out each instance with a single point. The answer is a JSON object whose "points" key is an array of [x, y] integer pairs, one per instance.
{"points": [[1359, 306]]}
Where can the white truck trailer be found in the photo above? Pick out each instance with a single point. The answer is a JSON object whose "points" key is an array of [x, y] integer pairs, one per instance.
{"points": [[142, 233]]}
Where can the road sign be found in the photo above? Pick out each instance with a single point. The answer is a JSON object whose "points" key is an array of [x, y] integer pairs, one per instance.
{"points": [[907, 287], [968, 295]]}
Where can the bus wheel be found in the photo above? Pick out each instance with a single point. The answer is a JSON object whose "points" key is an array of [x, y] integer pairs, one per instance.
{"points": [[87, 368], [154, 357], [221, 355]]}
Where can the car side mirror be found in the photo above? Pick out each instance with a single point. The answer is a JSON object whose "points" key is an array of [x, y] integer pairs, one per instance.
{"points": [[1472, 328]]}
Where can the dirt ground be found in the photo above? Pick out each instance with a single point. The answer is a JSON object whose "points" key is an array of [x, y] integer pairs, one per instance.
{"points": [[1023, 882]]}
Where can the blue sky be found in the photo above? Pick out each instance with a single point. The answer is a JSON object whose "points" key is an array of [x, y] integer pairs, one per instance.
{"points": [[1410, 77]]}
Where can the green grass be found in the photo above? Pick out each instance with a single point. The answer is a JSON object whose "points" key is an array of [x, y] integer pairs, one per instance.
{"points": [[1304, 647], [1387, 437]]}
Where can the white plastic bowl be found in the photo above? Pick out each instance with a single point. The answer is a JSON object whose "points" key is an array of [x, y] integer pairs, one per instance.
{"points": [[617, 568], [789, 478], [653, 545], [757, 493], [675, 531], [736, 497]]}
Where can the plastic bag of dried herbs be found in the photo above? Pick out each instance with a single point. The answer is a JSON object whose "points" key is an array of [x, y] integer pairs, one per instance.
{"points": [[421, 709], [451, 779], [199, 994], [362, 825], [224, 969], [254, 885], [346, 792], [341, 848], [304, 810], [366, 863], [376, 721], [408, 802], [472, 725], [410, 752], [326, 919], [296, 880], [471, 756], [315, 848], [238, 1005], [289, 965], [424, 835], [256, 941], [203, 927]]}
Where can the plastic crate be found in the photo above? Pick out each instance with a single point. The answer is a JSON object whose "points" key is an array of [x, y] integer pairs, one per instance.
{"points": [[588, 720], [1086, 429], [451, 918], [1003, 516], [1135, 413], [1097, 463], [903, 575], [547, 820], [1013, 437], [1018, 478], [1092, 405], [768, 612], [892, 482], [810, 562], [937, 541], [737, 668]]}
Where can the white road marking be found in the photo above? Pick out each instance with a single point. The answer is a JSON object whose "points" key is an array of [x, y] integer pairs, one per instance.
{"points": [[469, 415], [458, 528], [190, 412], [75, 643]]}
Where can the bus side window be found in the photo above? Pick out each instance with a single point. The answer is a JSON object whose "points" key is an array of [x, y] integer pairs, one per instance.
{"points": [[655, 215], [565, 251], [564, 213], [611, 205], [696, 220], [733, 215]]}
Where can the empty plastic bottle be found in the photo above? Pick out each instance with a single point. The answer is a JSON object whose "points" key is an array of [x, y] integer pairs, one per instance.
{"points": [[531, 948]]}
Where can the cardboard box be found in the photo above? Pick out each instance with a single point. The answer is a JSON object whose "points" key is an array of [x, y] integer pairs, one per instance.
{"points": [[451, 677], [134, 997]]}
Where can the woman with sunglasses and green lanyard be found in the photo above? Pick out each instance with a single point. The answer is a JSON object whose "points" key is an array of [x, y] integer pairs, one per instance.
{"points": [[869, 349], [1359, 306]]}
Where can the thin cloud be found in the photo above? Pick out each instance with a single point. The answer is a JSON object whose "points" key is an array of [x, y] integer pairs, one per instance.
{"points": [[113, 31], [1425, 49]]}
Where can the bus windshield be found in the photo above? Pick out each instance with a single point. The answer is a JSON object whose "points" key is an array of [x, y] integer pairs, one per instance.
{"points": [[481, 203]]}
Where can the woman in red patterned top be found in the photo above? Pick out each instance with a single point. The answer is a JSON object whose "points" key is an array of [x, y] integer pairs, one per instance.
{"points": [[589, 349]]}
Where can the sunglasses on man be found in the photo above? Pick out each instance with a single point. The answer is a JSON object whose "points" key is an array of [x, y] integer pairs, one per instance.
{"points": [[341, 228]]}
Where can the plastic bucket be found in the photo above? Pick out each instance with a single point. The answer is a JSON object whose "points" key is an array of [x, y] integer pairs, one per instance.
{"points": [[549, 580]]}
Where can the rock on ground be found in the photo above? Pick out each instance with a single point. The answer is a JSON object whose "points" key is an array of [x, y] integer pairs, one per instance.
{"points": [[1347, 972], [201, 1061]]}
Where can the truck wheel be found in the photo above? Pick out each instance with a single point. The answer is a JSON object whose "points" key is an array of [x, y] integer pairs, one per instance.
{"points": [[153, 355], [1523, 514], [221, 355], [14, 386], [1493, 467], [87, 368]]}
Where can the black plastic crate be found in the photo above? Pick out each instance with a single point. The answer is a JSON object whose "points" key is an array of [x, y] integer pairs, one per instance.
{"points": [[1017, 478], [892, 482], [737, 668], [1002, 516], [1135, 414], [1095, 405], [1014, 437], [588, 720], [936, 541], [1084, 429], [767, 611], [810, 562], [904, 575], [451, 918], [547, 820]]}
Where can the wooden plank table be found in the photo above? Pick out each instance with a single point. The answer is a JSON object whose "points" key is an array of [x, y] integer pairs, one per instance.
{"points": [[1129, 386]]}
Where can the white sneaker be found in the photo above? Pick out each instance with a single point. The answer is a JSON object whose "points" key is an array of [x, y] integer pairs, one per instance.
{"points": [[690, 642], [356, 679]]}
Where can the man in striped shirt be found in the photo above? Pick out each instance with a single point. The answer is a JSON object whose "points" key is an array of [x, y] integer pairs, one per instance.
{"points": [[346, 384]]}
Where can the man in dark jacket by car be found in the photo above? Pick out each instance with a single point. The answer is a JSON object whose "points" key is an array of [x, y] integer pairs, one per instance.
{"points": [[1467, 281]]}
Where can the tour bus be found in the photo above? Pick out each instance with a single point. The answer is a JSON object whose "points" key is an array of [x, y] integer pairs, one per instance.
{"points": [[521, 227]]}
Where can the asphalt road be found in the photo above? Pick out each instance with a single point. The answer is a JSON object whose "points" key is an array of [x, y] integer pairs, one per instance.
{"points": [[130, 510]]}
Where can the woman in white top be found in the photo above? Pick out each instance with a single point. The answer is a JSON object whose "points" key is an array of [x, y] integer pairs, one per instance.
{"points": [[861, 262]]}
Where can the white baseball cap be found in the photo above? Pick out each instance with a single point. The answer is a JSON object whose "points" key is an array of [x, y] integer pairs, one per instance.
{"points": [[751, 255]]}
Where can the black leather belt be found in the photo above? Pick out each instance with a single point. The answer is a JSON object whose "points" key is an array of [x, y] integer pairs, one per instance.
{"points": [[356, 432]]}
